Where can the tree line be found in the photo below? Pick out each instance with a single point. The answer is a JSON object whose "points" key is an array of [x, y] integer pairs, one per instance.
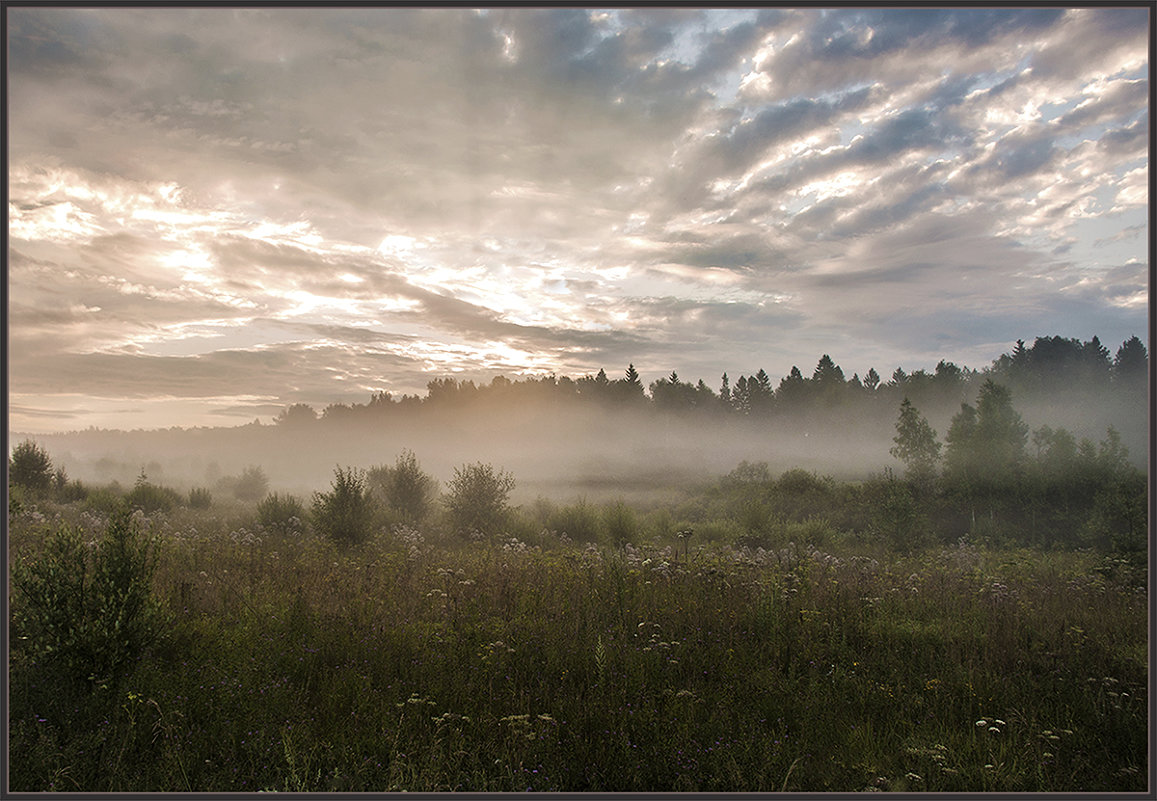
{"points": [[1050, 367]]}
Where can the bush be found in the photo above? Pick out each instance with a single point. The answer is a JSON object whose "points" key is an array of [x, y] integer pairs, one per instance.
{"points": [[578, 521], [200, 498], [898, 515], [477, 499], [620, 523], [30, 467], [252, 485], [72, 491], [151, 498], [405, 488], [105, 499], [346, 513], [281, 513], [89, 613]]}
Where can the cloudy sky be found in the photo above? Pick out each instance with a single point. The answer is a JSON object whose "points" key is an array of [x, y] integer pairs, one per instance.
{"points": [[217, 212]]}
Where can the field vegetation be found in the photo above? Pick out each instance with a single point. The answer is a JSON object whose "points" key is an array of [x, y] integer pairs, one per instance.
{"points": [[976, 623]]}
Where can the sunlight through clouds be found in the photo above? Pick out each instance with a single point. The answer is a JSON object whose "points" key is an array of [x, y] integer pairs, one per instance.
{"points": [[540, 189]]}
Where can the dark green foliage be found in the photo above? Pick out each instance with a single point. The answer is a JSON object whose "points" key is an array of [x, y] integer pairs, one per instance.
{"points": [[346, 513], [963, 461], [580, 670], [149, 497], [30, 467], [898, 516], [284, 514], [748, 473], [87, 614], [1000, 432], [405, 488], [1131, 365], [986, 451], [200, 498], [70, 491], [476, 499], [798, 485], [620, 524], [916, 445], [579, 521], [106, 500]]}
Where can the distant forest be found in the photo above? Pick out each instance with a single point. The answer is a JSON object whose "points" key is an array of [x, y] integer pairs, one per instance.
{"points": [[1052, 369]]}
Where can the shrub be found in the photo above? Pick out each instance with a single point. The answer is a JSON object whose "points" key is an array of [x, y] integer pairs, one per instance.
{"points": [[579, 521], [72, 491], [105, 499], [30, 467], [899, 516], [346, 513], [406, 489], [89, 613], [747, 474], [799, 482], [719, 531], [620, 523], [477, 499], [251, 485], [200, 498], [281, 513], [151, 498]]}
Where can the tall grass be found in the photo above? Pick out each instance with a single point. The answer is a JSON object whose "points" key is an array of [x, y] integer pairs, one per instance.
{"points": [[293, 664]]}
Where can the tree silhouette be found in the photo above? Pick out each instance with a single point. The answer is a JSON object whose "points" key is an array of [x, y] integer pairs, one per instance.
{"points": [[916, 445], [30, 467]]}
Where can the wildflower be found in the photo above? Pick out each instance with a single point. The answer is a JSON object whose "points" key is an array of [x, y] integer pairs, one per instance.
{"points": [[913, 777], [982, 724]]}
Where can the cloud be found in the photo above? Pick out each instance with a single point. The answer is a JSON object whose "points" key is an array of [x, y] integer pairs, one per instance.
{"points": [[325, 200]]}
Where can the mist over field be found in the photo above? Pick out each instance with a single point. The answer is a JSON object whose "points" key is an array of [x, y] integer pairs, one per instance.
{"points": [[515, 399], [564, 447], [557, 455]]}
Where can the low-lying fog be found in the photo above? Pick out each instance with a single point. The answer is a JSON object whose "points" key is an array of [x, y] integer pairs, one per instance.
{"points": [[560, 451]]}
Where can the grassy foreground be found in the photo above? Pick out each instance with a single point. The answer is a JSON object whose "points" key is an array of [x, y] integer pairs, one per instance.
{"points": [[291, 665]]}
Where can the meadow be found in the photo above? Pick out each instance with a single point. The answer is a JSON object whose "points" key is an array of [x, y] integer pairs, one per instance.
{"points": [[677, 656]]}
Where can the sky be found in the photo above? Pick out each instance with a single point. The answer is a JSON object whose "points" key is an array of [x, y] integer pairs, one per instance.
{"points": [[218, 212]]}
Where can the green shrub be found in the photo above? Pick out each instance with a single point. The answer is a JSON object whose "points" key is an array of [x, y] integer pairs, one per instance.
{"points": [[815, 531], [346, 513], [71, 491], [105, 499], [579, 521], [281, 513], [405, 488], [88, 613], [15, 500], [30, 467], [200, 498], [798, 482], [659, 524], [719, 531], [620, 523], [477, 499], [898, 515], [149, 497]]}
